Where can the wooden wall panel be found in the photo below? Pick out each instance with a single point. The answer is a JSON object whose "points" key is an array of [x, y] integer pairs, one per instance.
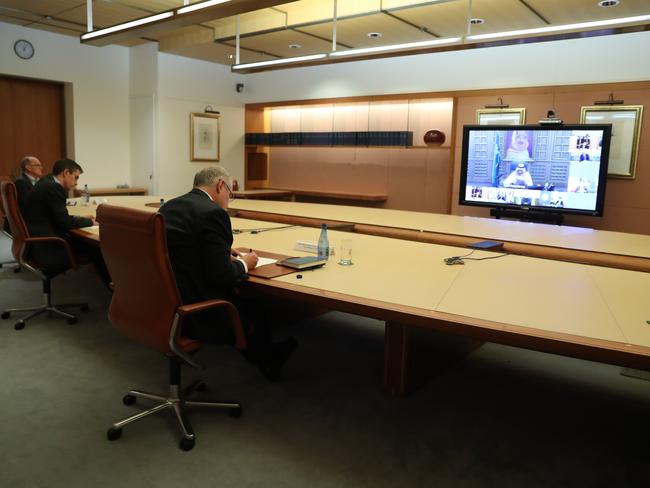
{"points": [[350, 117], [32, 122], [285, 119], [328, 169], [425, 115], [438, 171], [388, 116], [407, 183], [316, 119]]}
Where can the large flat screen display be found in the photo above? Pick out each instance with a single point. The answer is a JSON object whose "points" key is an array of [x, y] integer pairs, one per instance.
{"points": [[559, 168]]}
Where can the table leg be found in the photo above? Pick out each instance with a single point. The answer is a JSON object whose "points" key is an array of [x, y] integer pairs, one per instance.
{"points": [[413, 356]]}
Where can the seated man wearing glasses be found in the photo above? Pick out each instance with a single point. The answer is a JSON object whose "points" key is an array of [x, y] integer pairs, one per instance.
{"points": [[31, 170], [199, 243]]}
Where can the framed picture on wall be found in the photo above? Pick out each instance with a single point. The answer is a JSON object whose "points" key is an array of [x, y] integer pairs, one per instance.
{"points": [[204, 137], [501, 116], [626, 132]]}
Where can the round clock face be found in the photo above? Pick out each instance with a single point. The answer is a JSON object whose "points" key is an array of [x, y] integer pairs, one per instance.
{"points": [[24, 49]]}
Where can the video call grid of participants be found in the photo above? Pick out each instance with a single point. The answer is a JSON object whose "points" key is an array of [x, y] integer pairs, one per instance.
{"points": [[514, 150]]}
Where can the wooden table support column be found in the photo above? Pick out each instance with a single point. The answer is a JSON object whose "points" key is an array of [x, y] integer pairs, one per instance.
{"points": [[414, 355]]}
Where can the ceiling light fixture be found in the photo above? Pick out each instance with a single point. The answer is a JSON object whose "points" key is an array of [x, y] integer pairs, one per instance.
{"points": [[279, 61], [555, 28], [476, 21], [374, 35], [126, 25], [608, 3], [394, 47], [294, 46], [200, 5]]}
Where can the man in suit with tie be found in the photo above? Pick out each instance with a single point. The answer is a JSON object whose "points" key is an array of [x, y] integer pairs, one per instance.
{"points": [[31, 170], [46, 215], [199, 243]]}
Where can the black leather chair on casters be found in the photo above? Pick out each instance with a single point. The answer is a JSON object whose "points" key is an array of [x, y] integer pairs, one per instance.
{"points": [[21, 248], [146, 307]]}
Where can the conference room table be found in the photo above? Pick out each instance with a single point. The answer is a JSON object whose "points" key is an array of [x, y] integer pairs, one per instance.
{"points": [[435, 313], [568, 243]]}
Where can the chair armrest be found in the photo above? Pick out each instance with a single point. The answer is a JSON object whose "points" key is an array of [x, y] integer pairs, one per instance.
{"points": [[235, 321], [59, 240]]}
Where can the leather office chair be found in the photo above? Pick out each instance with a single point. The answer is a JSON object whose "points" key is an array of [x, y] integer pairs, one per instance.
{"points": [[20, 248], [6, 257], [146, 307]]}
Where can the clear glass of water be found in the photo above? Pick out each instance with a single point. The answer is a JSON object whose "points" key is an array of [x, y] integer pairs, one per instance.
{"points": [[346, 252]]}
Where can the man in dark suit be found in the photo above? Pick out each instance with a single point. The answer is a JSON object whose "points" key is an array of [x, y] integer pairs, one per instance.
{"points": [[31, 170], [199, 243], [46, 215]]}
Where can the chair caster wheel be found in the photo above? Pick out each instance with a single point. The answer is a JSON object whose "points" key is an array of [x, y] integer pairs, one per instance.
{"points": [[113, 434], [20, 325], [201, 387], [5, 315], [186, 444], [84, 308], [72, 321], [235, 412], [128, 399]]}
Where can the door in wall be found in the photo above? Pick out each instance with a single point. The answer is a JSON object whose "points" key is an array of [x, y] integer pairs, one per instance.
{"points": [[32, 123]]}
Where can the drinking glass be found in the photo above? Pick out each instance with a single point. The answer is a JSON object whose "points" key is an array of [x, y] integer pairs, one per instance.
{"points": [[346, 252]]}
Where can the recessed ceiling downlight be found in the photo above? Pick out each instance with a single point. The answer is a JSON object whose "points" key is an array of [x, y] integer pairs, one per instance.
{"points": [[374, 35], [477, 21], [608, 3]]}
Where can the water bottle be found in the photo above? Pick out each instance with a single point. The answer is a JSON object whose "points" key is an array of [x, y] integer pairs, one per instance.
{"points": [[85, 196], [323, 243]]}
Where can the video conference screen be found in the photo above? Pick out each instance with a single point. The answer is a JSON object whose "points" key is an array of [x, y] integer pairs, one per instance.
{"points": [[556, 168]]}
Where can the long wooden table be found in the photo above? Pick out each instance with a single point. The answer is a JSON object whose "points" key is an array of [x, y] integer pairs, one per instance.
{"points": [[575, 244], [578, 310]]}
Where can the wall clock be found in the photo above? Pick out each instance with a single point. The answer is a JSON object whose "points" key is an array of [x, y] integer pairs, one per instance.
{"points": [[23, 49]]}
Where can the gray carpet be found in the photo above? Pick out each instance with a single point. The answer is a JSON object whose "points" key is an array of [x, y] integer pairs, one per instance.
{"points": [[503, 418]]}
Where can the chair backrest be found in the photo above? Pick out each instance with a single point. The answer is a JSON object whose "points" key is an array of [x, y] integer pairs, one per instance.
{"points": [[2, 209], [145, 296], [16, 222]]}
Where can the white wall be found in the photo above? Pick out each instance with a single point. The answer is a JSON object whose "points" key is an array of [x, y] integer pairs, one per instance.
{"points": [[185, 86], [100, 96], [603, 59]]}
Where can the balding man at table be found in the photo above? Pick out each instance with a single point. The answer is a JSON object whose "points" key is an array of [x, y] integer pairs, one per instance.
{"points": [[31, 170], [199, 243]]}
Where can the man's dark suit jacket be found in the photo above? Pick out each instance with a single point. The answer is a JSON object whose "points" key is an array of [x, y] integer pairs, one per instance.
{"points": [[199, 240], [23, 187], [46, 215]]}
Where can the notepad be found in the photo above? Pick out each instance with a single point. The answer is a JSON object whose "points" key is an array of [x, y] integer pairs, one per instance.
{"points": [[265, 261], [303, 262], [261, 261]]}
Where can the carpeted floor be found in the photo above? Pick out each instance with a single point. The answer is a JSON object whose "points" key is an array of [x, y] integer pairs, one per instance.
{"points": [[505, 417]]}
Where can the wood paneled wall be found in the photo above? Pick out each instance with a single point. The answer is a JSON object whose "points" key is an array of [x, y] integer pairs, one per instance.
{"points": [[413, 178], [627, 202], [427, 179]]}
